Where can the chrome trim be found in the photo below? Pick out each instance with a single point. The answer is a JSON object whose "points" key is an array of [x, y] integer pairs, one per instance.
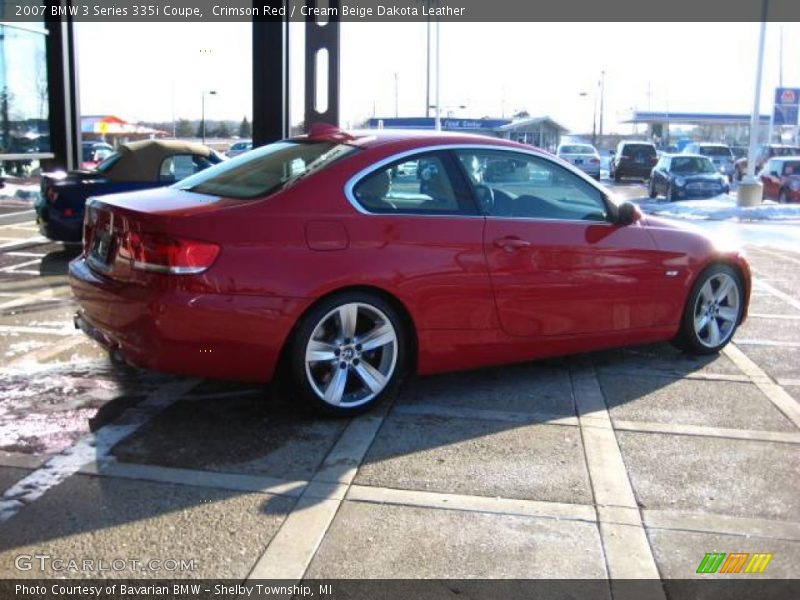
{"points": [[366, 171]]}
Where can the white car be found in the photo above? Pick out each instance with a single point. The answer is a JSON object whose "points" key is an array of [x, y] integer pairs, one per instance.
{"points": [[583, 156]]}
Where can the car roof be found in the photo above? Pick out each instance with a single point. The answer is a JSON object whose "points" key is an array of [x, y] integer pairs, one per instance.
{"points": [[141, 160], [366, 138], [785, 158], [687, 155]]}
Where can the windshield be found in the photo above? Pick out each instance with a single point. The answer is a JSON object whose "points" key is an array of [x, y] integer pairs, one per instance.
{"points": [[717, 151], [264, 170], [691, 164], [786, 151], [576, 149]]}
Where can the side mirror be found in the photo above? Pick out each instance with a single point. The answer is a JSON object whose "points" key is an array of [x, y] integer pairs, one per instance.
{"points": [[611, 152], [628, 214]]}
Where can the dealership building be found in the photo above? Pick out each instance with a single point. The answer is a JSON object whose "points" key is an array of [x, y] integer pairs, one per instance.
{"points": [[542, 132]]}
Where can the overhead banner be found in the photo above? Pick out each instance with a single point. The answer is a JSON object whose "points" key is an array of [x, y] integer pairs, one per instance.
{"points": [[785, 109]]}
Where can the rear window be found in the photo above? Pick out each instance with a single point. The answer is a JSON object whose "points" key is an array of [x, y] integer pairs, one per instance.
{"points": [[786, 151], [576, 149], [715, 151], [791, 167], [638, 149], [265, 170]]}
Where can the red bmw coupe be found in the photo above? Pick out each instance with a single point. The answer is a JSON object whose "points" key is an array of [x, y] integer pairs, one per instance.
{"points": [[347, 260]]}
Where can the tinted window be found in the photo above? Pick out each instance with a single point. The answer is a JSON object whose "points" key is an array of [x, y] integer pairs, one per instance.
{"points": [[576, 149], [634, 150], [791, 167], [787, 151], [511, 185], [716, 151], [266, 169], [684, 165], [423, 184], [181, 166]]}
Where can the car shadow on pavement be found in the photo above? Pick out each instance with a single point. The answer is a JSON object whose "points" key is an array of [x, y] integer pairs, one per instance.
{"points": [[57, 262]]}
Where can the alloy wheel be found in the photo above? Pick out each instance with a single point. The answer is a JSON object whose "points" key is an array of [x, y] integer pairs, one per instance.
{"points": [[351, 355], [716, 310]]}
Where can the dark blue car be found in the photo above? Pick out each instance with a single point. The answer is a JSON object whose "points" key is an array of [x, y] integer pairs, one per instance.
{"points": [[134, 166], [686, 177]]}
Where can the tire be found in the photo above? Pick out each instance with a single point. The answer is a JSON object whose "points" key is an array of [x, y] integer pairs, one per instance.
{"points": [[652, 188], [617, 177], [669, 194], [361, 377], [710, 318], [783, 197]]}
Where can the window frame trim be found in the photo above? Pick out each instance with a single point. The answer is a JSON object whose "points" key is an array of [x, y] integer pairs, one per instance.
{"points": [[450, 149]]}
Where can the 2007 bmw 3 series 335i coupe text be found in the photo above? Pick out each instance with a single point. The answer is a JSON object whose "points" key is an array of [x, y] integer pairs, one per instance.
{"points": [[344, 261]]}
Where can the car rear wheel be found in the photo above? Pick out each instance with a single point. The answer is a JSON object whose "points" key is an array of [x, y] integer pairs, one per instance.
{"points": [[712, 312], [652, 188], [670, 194], [348, 354]]}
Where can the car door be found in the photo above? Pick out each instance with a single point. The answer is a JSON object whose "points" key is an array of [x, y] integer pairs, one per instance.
{"points": [[558, 265], [770, 179]]}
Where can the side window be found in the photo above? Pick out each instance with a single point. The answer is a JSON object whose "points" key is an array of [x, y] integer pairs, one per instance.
{"points": [[512, 185], [422, 184], [177, 167]]}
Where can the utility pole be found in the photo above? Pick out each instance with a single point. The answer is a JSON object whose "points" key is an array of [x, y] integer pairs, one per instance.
{"points": [[438, 80], [602, 84], [428, 70], [396, 105]]}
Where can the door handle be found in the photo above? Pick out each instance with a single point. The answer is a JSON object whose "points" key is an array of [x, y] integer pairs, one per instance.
{"points": [[511, 243]]}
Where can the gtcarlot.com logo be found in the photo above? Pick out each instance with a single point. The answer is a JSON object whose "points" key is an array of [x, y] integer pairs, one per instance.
{"points": [[734, 563], [46, 562]]}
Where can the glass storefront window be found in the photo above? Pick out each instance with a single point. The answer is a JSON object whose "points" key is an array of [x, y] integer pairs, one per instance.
{"points": [[24, 112]]}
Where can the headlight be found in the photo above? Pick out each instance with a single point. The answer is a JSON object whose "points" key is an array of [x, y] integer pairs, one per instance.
{"points": [[680, 181], [794, 185]]}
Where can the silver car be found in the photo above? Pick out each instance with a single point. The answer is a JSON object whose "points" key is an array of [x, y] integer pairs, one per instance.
{"points": [[720, 154], [239, 147], [583, 156]]}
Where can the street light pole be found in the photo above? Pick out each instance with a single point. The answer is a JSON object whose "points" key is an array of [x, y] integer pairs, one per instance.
{"points": [[203, 112], [749, 192], [438, 81], [602, 84]]}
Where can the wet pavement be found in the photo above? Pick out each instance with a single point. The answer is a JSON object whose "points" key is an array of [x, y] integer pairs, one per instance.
{"points": [[627, 463]]}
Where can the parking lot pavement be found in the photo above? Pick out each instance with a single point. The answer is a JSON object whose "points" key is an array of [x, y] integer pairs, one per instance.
{"points": [[629, 463]]}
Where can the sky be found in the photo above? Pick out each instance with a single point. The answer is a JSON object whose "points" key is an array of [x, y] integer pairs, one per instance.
{"points": [[159, 71]]}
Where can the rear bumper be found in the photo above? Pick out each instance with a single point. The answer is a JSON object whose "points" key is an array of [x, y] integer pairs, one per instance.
{"points": [[630, 170], [184, 333], [57, 227]]}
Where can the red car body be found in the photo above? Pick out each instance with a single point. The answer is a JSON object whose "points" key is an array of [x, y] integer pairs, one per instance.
{"points": [[781, 179], [474, 291]]}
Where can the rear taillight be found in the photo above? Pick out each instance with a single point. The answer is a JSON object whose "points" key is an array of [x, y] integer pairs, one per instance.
{"points": [[594, 161], [167, 254], [52, 195]]}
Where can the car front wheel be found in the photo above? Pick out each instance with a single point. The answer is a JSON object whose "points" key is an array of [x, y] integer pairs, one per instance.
{"points": [[783, 197], [712, 312], [348, 354]]}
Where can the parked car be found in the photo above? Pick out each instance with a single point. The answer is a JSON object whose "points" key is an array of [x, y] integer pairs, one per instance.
{"points": [[739, 152], [583, 156], [687, 176], [633, 159], [134, 166], [93, 153], [764, 153], [239, 147], [720, 155], [781, 179], [304, 259]]}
